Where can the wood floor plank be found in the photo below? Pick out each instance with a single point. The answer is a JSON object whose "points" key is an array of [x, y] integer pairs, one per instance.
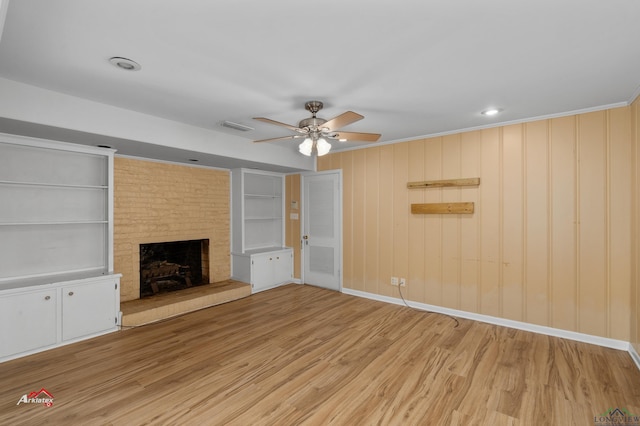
{"points": [[304, 355]]}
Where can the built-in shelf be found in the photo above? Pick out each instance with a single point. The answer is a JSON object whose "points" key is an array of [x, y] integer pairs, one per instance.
{"points": [[262, 196], [264, 250], [64, 277], [265, 218], [54, 185], [258, 210], [77, 222], [55, 208], [57, 283], [258, 253]]}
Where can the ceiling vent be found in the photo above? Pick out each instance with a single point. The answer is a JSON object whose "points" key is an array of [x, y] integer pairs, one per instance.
{"points": [[236, 126]]}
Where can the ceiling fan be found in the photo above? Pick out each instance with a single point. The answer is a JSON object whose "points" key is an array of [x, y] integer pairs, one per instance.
{"points": [[317, 130]]}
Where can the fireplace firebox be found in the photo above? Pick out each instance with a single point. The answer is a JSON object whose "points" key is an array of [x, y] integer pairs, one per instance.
{"points": [[172, 266]]}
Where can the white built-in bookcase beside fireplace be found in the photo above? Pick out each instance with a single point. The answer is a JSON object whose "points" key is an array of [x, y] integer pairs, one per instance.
{"points": [[56, 244], [258, 253]]}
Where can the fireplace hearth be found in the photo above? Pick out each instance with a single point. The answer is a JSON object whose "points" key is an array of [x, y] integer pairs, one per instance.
{"points": [[173, 266]]}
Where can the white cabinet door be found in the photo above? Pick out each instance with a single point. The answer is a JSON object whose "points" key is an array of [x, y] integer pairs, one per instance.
{"points": [[89, 308], [261, 271], [283, 267], [28, 321]]}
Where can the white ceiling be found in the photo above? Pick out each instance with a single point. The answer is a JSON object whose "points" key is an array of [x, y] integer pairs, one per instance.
{"points": [[413, 68]]}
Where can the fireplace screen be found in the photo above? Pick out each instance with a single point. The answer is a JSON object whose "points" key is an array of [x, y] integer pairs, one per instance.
{"points": [[173, 266]]}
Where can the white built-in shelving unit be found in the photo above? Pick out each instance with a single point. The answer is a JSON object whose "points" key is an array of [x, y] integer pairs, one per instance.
{"points": [[258, 252], [56, 242]]}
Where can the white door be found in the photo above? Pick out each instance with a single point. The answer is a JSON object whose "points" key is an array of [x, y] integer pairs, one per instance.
{"points": [[321, 229]]}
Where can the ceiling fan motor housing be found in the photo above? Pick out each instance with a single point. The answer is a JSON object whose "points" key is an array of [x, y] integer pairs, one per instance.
{"points": [[312, 123]]}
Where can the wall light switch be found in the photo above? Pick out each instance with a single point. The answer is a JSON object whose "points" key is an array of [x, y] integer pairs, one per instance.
{"points": [[293, 216]]}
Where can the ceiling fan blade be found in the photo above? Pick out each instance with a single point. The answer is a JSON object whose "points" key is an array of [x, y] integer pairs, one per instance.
{"points": [[282, 138], [277, 123], [342, 120], [355, 136]]}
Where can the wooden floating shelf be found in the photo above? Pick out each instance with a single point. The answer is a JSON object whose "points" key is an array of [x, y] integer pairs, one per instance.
{"points": [[444, 183], [443, 208]]}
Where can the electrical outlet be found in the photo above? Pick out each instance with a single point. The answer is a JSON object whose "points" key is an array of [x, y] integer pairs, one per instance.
{"points": [[403, 282], [394, 281]]}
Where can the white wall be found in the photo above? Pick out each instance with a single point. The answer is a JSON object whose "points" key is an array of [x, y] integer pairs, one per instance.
{"points": [[32, 104]]}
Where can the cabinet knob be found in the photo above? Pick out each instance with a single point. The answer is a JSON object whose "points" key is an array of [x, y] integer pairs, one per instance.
{"points": [[70, 293], [47, 297]]}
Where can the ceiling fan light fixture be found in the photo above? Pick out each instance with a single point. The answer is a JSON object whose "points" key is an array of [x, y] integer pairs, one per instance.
{"points": [[306, 147], [323, 147]]}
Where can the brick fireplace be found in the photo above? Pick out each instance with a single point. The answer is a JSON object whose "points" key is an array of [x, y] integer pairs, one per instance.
{"points": [[161, 202]]}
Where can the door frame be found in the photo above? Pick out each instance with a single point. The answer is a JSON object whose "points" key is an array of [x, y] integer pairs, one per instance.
{"points": [[303, 196]]}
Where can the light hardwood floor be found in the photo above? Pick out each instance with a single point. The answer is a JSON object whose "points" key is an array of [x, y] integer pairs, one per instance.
{"points": [[303, 355]]}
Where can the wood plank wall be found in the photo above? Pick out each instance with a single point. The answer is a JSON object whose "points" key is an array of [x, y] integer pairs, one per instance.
{"points": [[550, 240], [292, 231]]}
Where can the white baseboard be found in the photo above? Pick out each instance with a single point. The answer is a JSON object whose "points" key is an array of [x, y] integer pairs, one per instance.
{"points": [[525, 326], [634, 355]]}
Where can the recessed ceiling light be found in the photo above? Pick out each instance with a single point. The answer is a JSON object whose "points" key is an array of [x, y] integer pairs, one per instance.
{"points": [[125, 64], [491, 111]]}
